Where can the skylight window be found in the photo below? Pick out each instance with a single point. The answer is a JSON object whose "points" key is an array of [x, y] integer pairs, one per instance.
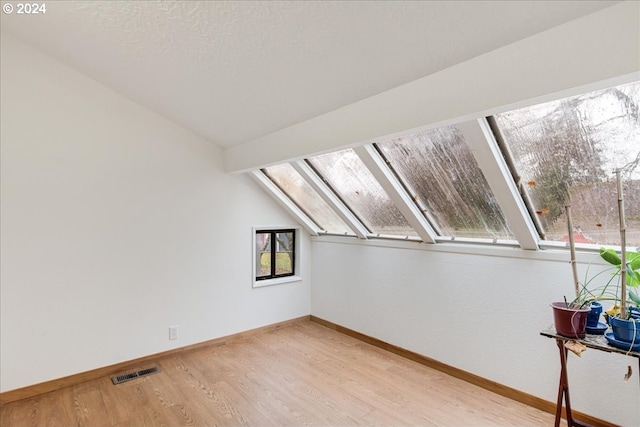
{"points": [[500, 179], [566, 152], [443, 178], [354, 184], [306, 198]]}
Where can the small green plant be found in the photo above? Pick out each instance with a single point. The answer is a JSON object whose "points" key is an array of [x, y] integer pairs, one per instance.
{"points": [[608, 288]]}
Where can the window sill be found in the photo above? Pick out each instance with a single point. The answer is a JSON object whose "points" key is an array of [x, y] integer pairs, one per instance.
{"points": [[278, 281]]}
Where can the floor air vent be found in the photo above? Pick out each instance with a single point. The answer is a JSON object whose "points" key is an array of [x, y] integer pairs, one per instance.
{"points": [[119, 379]]}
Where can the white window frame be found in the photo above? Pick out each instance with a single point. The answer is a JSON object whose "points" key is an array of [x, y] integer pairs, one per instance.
{"points": [[297, 277]]}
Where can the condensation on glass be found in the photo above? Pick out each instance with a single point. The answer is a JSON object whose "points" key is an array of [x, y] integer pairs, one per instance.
{"points": [[566, 153], [359, 190], [306, 198], [441, 174]]}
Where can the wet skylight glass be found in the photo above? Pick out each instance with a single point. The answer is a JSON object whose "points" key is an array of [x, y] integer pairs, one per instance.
{"points": [[353, 183], [566, 152], [560, 153], [306, 198], [443, 178]]}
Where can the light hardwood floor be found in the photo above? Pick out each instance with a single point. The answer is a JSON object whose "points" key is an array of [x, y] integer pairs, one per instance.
{"points": [[300, 375]]}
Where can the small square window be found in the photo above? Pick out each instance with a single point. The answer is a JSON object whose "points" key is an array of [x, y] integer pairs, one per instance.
{"points": [[275, 254]]}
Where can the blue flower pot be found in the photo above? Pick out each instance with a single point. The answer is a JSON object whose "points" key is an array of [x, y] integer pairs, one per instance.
{"points": [[594, 314], [625, 330]]}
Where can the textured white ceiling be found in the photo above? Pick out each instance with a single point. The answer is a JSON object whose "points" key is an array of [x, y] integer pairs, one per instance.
{"points": [[235, 71]]}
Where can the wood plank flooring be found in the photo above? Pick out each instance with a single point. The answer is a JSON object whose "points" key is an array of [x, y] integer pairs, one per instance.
{"points": [[300, 375]]}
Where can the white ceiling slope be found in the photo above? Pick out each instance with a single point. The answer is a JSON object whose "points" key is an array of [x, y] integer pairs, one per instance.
{"points": [[235, 71]]}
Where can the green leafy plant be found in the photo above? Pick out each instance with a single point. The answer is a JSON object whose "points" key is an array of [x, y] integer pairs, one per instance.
{"points": [[605, 285]]}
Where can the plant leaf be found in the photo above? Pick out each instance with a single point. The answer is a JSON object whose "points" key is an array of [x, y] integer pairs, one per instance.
{"points": [[633, 260], [610, 256], [633, 277]]}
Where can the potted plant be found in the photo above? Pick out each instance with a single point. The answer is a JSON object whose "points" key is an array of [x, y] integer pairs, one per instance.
{"points": [[626, 328], [625, 317], [611, 289], [620, 287], [570, 318]]}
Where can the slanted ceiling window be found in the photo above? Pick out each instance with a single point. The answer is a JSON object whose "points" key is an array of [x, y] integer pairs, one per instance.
{"points": [[523, 167], [354, 184], [445, 181], [306, 198], [566, 152]]}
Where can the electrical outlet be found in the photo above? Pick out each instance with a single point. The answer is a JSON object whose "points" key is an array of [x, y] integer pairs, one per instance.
{"points": [[173, 332]]}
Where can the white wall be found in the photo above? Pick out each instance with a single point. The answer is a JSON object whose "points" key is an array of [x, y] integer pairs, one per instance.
{"points": [[117, 223], [480, 313]]}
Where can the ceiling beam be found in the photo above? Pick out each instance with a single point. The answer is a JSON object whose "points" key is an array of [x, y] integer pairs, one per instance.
{"points": [[593, 52]]}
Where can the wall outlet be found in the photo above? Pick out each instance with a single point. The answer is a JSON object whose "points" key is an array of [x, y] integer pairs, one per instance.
{"points": [[173, 332]]}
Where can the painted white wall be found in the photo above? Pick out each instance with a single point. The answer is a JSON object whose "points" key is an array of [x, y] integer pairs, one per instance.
{"points": [[116, 224], [598, 50], [478, 312]]}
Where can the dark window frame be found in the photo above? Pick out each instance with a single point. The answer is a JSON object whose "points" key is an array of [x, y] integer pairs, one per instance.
{"points": [[273, 251]]}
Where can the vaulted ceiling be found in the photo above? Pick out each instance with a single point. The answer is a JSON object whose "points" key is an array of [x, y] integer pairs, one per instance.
{"points": [[236, 71]]}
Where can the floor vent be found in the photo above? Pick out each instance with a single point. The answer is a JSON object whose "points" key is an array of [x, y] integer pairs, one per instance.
{"points": [[119, 379]]}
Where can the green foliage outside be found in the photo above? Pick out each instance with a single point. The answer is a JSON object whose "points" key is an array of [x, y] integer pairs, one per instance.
{"points": [[283, 263]]}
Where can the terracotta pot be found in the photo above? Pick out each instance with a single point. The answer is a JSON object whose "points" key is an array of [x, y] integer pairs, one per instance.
{"points": [[570, 323]]}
